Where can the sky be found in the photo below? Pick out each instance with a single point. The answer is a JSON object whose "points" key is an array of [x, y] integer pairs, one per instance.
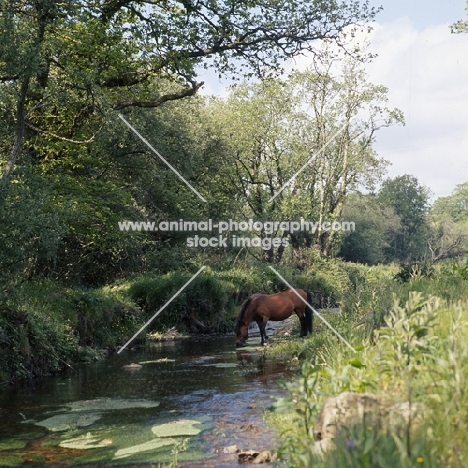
{"points": [[425, 68]]}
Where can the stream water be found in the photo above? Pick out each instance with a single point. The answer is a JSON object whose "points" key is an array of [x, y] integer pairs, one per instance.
{"points": [[194, 397]]}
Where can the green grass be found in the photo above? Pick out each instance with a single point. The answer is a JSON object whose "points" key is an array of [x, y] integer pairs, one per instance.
{"points": [[418, 353], [46, 327]]}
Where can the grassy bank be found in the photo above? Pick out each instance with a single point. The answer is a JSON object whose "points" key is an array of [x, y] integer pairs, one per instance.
{"points": [[411, 338], [46, 326]]}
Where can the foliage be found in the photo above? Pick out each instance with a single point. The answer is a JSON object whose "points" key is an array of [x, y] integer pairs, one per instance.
{"points": [[448, 219], [414, 270], [31, 230], [460, 26], [375, 225], [33, 345], [419, 355], [409, 200], [455, 205], [460, 269], [201, 305], [45, 327]]}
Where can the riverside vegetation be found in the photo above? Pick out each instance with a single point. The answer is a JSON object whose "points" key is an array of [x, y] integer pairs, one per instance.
{"points": [[408, 326], [46, 326], [411, 338]]}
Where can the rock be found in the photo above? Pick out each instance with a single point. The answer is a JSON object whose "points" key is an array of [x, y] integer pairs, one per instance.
{"points": [[248, 456], [255, 457], [132, 366], [229, 449], [263, 457], [348, 409]]}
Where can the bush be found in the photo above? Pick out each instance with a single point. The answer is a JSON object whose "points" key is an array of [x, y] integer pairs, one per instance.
{"points": [[200, 307], [33, 345], [45, 327]]}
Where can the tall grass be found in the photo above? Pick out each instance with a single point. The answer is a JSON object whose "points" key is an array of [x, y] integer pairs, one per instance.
{"points": [[415, 349]]}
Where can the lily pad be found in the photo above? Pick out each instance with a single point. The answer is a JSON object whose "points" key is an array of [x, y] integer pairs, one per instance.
{"points": [[182, 427], [108, 404], [11, 444], [150, 445], [85, 442], [11, 461], [64, 422]]}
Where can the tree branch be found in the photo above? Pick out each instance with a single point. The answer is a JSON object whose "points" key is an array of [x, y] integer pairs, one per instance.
{"points": [[58, 137], [162, 99]]}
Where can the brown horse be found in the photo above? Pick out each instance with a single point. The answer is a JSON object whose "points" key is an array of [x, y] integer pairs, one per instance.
{"points": [[275, 307]]}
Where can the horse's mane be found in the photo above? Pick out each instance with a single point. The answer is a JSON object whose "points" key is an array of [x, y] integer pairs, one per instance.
{"points": [[244, 307]]}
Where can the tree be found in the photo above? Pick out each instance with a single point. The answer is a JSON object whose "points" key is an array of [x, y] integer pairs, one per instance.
{"points": [[409, 200], [347, 111], [92, 54], [375, 224], [301, 141], [455, 206], [461, 26], [449, 223]]}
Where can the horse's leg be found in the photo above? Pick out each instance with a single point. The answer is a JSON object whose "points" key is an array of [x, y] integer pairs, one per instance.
{"points": [[265, 336], [302, 319], [262, 327]]}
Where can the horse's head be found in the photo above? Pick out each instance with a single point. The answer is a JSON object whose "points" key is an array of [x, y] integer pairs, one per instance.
{"points": [[242, 332]]}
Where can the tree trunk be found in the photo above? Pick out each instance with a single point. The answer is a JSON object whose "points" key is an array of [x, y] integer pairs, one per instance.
{"points": [[19, 134]]}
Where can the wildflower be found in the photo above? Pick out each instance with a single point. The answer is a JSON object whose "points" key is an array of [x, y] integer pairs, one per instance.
{"points": [[420, 459], [350, 444]]}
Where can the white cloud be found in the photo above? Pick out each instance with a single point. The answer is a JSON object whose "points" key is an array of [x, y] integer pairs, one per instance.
{"points": [[426, 73]]}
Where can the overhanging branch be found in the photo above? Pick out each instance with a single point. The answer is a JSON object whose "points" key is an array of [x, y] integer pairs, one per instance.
{"points": [[162, 99]]}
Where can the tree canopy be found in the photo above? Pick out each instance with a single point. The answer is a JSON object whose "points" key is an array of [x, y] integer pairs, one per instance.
{"points": [[75, 58]]}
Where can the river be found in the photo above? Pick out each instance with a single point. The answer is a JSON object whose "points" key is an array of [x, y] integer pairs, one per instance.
{"points": [[190, 399]]}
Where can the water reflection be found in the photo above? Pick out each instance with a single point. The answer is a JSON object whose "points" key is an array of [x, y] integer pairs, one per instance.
{"points": [[207, 379]]}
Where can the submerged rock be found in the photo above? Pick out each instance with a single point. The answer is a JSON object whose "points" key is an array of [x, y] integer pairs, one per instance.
{"points": [[108, 404], [229, 449]]}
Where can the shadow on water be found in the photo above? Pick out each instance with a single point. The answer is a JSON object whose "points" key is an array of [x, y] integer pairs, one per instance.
{"points": [[193, 396]]}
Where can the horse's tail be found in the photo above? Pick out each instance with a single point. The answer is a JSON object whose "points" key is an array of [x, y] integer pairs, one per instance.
{"points": [[241, 315], [309, 314]]}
